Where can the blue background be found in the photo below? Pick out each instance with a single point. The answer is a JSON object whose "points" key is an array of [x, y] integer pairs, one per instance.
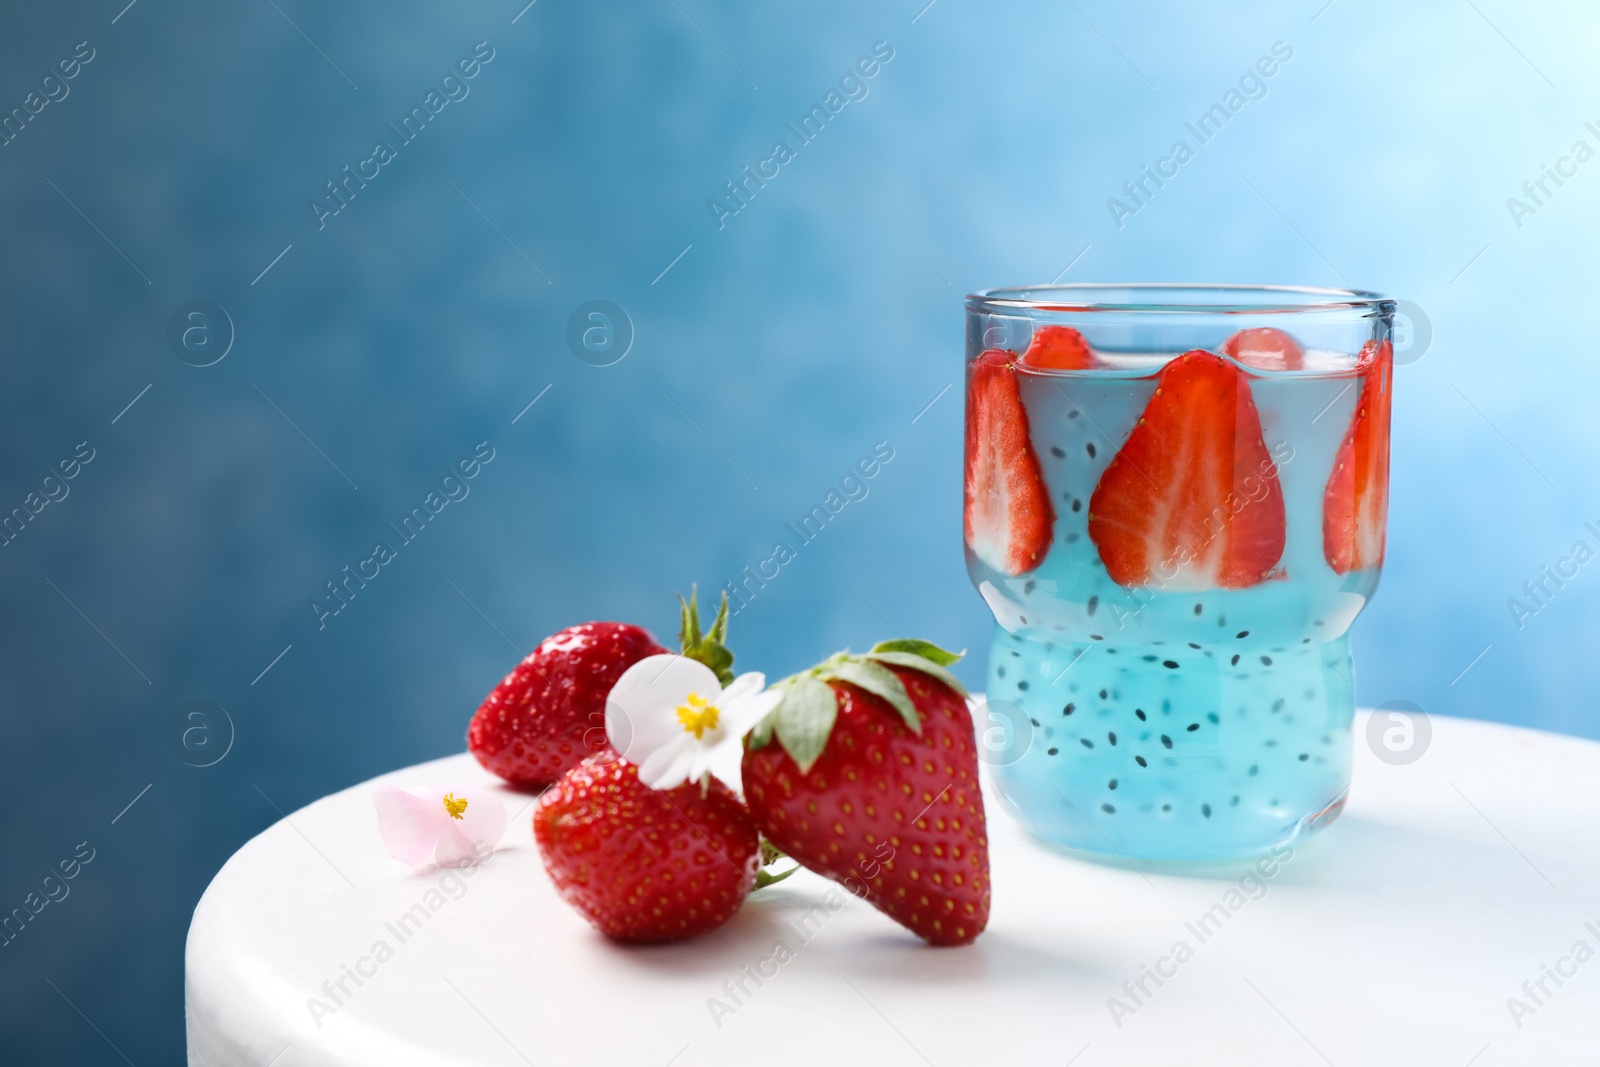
{"points": [[774, 352]]}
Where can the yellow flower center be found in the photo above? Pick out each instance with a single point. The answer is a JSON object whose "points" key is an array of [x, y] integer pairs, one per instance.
{"points": [[698, 715], [453, 806]]}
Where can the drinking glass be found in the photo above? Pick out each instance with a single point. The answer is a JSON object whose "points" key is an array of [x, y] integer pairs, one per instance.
{"points": [[1175, 506]]}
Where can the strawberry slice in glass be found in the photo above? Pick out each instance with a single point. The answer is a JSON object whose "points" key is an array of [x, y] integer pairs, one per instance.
{"points": [[1007, 511], [1192, 500], [1355, 506], [1265, 348]]}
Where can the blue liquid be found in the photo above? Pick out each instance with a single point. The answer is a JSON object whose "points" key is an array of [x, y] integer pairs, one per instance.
{"points": [[1238, 702], [1235, 758]]}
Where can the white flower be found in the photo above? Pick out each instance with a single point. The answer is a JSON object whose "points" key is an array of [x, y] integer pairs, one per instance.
{"points": [[670, 716]]}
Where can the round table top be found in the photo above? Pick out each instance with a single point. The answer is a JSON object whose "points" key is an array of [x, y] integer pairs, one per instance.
{"points": [[1451, 916]]}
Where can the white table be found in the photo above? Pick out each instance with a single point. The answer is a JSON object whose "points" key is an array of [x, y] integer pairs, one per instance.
{"points": [[1394, 937]]}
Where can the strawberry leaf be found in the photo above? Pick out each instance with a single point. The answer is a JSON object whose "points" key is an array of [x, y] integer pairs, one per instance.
{"points": [[879, 680], [805, 719], [926, 649], [709, 648], [916, 662]]}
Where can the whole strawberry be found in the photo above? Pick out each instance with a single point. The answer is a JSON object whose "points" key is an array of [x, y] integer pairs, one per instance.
{"points": [[645, 864], [550, 712], [867, 773]]}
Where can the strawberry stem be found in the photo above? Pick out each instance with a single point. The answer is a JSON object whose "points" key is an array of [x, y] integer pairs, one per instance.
{"points": [[770, 853]]}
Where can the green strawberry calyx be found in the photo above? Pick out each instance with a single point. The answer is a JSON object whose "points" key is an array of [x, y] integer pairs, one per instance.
{"points": [[709, 648], [803, 720]]}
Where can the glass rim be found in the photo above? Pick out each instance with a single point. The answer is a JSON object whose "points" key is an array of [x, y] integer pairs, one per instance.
{"points": [[1268, 299]]}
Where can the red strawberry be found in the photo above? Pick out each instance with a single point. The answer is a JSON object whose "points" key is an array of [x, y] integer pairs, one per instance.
{"points": [[873, 782], [1265, 348], [550, 712], [1355, 506], [645, 864], [1059, 348], [1192, 500], [1008, 517]]}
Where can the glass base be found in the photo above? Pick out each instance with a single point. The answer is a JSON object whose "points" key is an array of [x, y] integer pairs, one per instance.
{"points": [[1167, 753]]}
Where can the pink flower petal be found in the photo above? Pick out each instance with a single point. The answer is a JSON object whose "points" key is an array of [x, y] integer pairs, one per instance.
{"points": [[470, 839], [456, 849], [409, 825]]}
